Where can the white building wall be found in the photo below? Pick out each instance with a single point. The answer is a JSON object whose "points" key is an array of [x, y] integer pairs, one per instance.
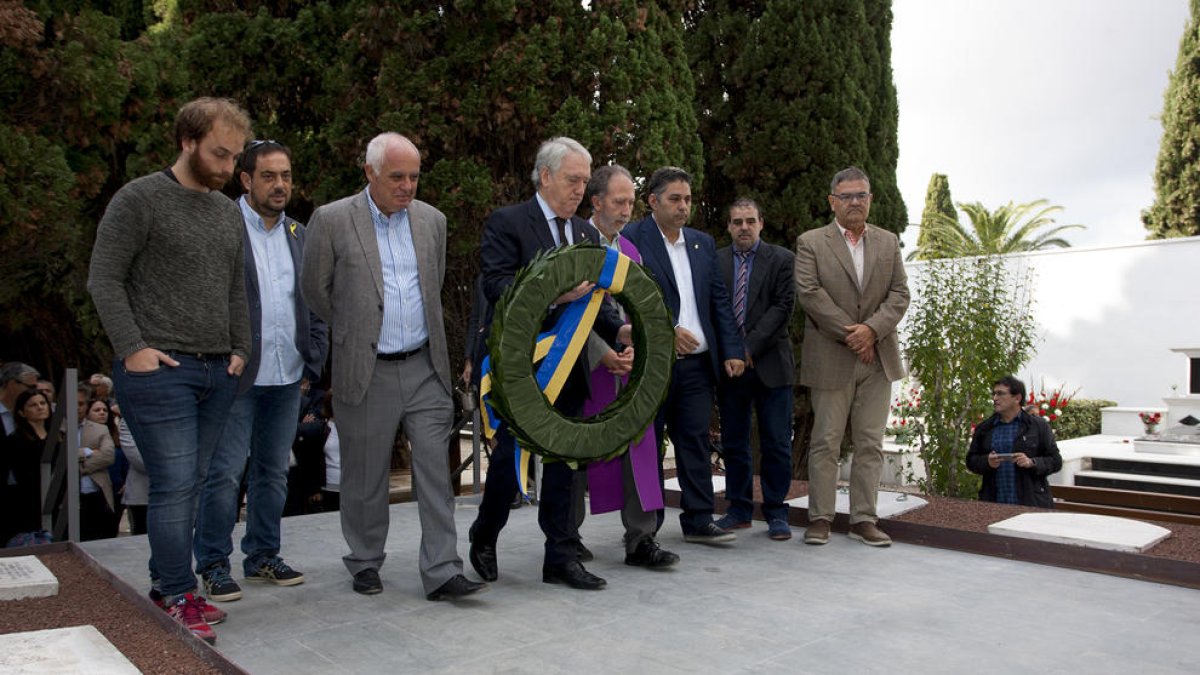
{"points": [[1109, 316]]}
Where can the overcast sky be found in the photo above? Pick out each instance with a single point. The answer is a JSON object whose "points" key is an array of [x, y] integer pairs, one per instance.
{"points": [[1026, 99]]}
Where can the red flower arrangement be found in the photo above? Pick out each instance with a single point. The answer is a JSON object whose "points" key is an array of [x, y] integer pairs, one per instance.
{"points": [[1150, 418], [1049, 405]]}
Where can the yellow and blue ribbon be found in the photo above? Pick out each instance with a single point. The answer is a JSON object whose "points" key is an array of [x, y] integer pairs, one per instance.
{"points": [[557, 349]]}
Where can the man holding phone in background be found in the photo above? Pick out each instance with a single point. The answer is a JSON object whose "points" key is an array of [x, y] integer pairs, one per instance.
{"points": [[1013, 450]]}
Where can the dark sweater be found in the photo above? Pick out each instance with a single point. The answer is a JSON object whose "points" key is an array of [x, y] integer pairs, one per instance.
{"points": [[166, 270]]}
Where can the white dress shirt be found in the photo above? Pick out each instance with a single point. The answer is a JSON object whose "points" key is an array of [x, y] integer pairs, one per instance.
{"points": [[681, 266]]}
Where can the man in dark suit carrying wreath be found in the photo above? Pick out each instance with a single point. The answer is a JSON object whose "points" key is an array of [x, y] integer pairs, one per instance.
{"points": [[512, 237]]}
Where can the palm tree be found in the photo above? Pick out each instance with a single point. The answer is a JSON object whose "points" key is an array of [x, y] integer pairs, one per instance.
{"points": [[1011, 228]]}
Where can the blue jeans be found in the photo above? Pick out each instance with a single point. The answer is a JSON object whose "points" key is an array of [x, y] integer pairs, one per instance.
{"points": [[739, 397], [262, 425], [176, 414]]}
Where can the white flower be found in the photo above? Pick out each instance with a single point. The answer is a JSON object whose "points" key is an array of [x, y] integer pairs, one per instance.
{"points": [[1057, 412], [1045, 406]]}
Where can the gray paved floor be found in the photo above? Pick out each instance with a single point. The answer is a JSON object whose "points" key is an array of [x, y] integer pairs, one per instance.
{"points": [[758, 606]]}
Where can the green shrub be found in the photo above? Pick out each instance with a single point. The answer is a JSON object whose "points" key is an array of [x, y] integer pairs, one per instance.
{"points": [[1081, 418]]}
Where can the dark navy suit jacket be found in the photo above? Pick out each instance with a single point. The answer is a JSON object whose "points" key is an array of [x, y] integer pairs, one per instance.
{"points": [[712, 297], [512, 236], [312, 334], [770, 301]]}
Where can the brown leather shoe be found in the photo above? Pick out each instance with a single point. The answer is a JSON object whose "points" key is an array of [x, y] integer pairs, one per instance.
{"points": [[869, 534], [817, 532]]}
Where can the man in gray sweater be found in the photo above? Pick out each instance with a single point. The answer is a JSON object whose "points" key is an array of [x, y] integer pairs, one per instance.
{"points": [[167, 279]]}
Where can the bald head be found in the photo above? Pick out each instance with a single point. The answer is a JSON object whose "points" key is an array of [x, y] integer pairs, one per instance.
{"points": [[393, 167]]}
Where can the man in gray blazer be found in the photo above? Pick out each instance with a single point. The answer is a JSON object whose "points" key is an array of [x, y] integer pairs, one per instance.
{"points": [[850, 281], [374, 265]]}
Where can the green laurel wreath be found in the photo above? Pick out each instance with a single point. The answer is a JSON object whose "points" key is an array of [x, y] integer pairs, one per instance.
{"points": [[515, 392]]}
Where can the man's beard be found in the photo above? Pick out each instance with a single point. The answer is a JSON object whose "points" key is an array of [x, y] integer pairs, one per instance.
{"points": [[209, 179]]}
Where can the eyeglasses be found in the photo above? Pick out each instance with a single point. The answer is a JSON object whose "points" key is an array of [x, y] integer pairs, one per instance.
{"points": [[1001, 394], [851, 197], [255, 143]]}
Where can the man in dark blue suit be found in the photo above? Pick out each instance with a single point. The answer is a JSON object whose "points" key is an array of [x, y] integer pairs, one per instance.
{"points": [[761, 283], [512, 236], [684, 263]]}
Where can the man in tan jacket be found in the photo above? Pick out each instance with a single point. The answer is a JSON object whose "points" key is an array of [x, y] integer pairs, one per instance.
{"points": [[850, 281]]}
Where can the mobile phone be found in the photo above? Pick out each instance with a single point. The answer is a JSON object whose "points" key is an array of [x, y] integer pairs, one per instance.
{"points": [[1005, 456]]}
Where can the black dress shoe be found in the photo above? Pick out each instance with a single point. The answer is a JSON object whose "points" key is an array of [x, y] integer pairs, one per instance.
{"points": [[367, 582], [457, 587], [483, 558], [709, 534], [649, 554], [572, 574], [585, 554]]}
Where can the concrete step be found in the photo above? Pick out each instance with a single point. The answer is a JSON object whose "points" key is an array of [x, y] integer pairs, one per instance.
{"points": [[1139, 482], [1157, 467]]}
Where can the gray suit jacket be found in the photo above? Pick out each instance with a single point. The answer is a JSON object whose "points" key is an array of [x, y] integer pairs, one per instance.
{"points": [[828, 292], [342, 283]]}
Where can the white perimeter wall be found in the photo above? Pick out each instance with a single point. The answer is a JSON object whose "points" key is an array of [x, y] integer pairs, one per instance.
{"points": [[1108, 318]]}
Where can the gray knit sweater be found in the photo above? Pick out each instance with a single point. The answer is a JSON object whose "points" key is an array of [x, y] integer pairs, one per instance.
{"points": [[166, 270]]}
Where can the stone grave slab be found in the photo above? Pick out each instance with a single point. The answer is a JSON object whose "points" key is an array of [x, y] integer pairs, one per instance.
{"points": [[78, 649], [887, 503], [1083, 529], [25, 577]]}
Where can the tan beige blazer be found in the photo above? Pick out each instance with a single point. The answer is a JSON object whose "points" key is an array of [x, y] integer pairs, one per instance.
{"points": [[827, 290], [96, 437]]}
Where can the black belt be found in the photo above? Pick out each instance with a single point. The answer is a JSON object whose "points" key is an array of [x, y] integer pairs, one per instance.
{"points": [[400, 356], [197, 355]]}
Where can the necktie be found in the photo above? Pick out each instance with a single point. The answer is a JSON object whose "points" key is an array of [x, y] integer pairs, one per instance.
{"points": [[853, 237], [561, 223], [739, 289]]}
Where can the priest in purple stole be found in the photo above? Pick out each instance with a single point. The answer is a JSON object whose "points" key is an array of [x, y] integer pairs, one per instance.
{"points": [[629, 483]]}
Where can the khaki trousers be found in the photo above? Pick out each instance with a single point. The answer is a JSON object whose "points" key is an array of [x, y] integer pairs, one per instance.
{"points": [[864, 402]]}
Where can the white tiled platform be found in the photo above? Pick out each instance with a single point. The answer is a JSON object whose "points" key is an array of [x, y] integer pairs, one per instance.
{"points": [[888, 504], [756, 606], [26, 577], [78, 649], [1083, 529]]}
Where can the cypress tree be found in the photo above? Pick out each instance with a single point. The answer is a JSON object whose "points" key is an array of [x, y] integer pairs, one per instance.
{"points": [[1176, 208], [887, 206], [643, 116], [718, 31], [937, 201], [806, 91]]}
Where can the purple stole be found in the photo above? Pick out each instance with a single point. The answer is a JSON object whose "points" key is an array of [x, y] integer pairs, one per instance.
{"points": [[605, 479]]}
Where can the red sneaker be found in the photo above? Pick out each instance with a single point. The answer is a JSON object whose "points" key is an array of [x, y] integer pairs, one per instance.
{"points": [[212, 614], [188, 611]]}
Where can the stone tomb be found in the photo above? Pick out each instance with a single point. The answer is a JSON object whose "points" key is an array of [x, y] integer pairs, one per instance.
{"points": [[78, 649], [25, 577], [1083, 529]]}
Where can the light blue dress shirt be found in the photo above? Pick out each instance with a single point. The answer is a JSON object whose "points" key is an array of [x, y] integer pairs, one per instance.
{"points": [[280, 362], [403, 328]]}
